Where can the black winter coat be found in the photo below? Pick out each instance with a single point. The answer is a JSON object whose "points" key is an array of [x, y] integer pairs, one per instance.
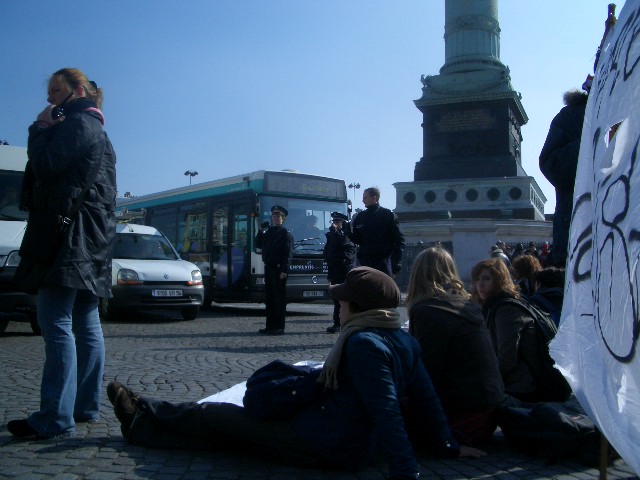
{"points": [[60, 160], [458, 353], [376, 231], [340, 254], [558, 163]]}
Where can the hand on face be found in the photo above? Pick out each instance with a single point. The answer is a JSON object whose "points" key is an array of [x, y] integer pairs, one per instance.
{"points": [[45, 116]]}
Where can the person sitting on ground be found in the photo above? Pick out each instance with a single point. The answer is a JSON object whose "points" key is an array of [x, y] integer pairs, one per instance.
{"points": [[512, 329], [549, 293], [525, 268], [372, 367], [456, 348]]}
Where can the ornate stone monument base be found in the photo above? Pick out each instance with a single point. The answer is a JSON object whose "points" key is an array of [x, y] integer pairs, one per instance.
{"points": [[468, 240]]}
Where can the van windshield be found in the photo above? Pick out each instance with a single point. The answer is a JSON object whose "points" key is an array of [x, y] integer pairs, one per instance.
{"points": [[143, 247], [10, 185]]}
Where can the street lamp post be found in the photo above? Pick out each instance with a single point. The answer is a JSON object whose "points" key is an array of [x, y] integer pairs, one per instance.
{"points": [[354, 186], [190, 174]]}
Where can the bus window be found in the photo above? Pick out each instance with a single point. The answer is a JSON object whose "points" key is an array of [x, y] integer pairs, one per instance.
{"points": [[192, 228]]}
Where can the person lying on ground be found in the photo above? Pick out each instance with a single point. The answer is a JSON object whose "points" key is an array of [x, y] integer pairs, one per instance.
{"points": [[372, 370]]}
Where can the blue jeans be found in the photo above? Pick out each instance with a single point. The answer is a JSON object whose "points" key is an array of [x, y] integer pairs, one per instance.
{"points": [[74, 360]]}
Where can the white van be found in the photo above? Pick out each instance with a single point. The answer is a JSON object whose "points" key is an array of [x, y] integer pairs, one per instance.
{"points": [[147, 272], [13, 222]]}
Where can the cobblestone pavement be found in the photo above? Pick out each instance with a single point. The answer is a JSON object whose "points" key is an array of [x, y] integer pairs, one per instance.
{"points": [[159, 355]]}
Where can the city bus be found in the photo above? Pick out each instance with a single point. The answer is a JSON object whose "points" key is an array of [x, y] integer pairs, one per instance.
{"points": [[213, 224]]}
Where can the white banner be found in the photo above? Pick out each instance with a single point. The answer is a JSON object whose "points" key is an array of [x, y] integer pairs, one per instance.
{"points": [[597, 345]]}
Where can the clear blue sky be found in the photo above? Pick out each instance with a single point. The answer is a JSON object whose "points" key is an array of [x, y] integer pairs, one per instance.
{"points": [[326, 87]]}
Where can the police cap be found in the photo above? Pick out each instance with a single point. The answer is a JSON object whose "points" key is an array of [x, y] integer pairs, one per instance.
{"points": [[339, 216], [279, 209]]}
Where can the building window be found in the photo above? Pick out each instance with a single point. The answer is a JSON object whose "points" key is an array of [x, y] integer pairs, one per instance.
{"points": [[515, 193], [451, 196], [472, 195], [493, 194], [430, 196], [409, 197]]}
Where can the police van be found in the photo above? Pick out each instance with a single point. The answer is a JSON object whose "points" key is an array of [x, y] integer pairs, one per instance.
{"points": [[13, 223]]}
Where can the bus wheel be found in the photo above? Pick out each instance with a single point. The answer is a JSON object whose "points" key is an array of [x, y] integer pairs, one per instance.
{"points": [[190, 313], [33, 320]]}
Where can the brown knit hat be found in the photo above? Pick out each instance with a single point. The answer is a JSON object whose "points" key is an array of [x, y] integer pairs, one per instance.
{"points": [[368, 288]]}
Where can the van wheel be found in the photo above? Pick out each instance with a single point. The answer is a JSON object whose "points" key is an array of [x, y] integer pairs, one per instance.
{"points": [[33, 320], [190, 313]]}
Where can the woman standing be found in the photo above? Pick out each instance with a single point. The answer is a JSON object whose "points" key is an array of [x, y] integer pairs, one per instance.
{"points": [[70, 180], [455, 344], [511, 327]]}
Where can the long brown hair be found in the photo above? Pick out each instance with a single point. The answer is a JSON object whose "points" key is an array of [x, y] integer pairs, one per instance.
{"points": [[502, 280], [74, 78], [433, 273]]}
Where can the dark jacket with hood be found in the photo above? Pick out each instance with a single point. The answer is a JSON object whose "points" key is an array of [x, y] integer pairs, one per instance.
{"points": [[457, 351], [61, 158], [558, 163]]}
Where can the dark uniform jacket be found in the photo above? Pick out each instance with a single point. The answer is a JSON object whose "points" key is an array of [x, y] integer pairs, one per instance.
{"points": [[458, 353], [377, 233], [339, 253], [277, 247], [60, 160]]}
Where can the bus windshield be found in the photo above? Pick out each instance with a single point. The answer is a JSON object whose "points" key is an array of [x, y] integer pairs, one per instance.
{"points": [[308, 221]]}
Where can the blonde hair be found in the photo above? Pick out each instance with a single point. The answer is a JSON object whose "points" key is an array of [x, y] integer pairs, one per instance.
{"points": [[433, 273], [502, 281], [74, 78]]}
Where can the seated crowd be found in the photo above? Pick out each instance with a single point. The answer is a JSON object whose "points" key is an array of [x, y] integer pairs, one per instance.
{"points": [[468, 355]]}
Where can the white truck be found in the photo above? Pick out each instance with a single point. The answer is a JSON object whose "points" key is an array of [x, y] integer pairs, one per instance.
{"points": [[13, 222]]}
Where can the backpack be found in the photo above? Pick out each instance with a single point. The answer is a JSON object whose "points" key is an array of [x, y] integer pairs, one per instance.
{"points": [[551, 384], [553, 430], [280, 390], [546, 305]]}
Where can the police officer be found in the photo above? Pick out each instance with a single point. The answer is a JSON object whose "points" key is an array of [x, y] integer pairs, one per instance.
{"points": [[339, 253], [277, 251], [377, 233]]}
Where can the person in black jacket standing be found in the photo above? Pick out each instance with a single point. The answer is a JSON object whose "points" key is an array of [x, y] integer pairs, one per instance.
{"points": [[559, 162], [377, 233], [68, 150], [277, 251], [339, 253]]}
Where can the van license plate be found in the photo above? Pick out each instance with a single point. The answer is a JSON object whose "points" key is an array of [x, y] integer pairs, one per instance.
{"points": [[313, 293], [167, 293]]}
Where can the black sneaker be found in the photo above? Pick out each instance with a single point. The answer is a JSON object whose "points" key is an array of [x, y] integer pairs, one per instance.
{"points": [[22, 429], [333, 329], [276, 331]]}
